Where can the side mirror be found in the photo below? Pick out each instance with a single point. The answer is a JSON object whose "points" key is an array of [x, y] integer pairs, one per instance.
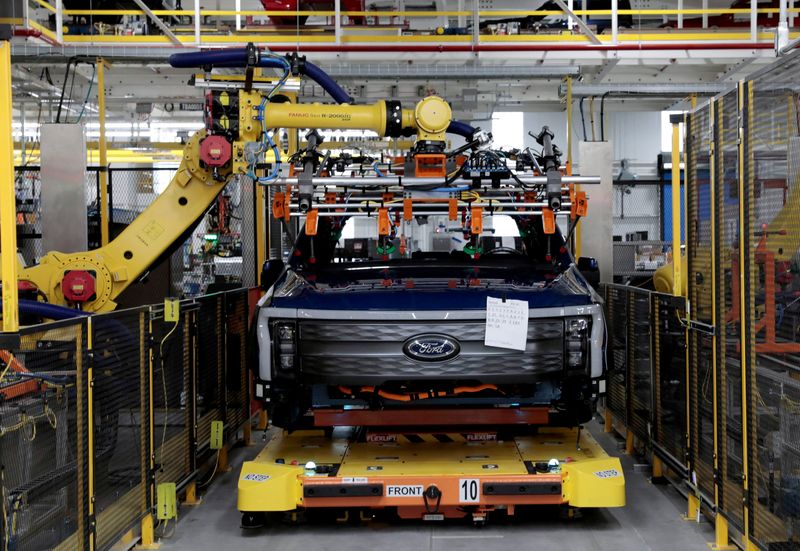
{"points": [[590, 270], [270, 272]]}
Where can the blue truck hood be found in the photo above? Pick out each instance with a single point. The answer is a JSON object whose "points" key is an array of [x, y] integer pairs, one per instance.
{"points": [[431, 293]]}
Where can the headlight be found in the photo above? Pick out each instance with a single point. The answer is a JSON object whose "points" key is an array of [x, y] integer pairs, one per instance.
{"points": [[285, 336], [286, 333], [576, 331]]}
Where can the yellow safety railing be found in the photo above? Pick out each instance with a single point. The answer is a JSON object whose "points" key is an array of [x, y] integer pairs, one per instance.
{"points": [[387, 26]]}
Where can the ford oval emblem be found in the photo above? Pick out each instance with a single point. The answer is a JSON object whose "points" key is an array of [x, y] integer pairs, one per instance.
{"points": [[431, 348]]}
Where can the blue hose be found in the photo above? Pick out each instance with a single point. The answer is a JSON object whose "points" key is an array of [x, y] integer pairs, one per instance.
{"points": [[50, 311], [230, 57], [461, 128], [328, 84], [237, 57], [449, 189]]}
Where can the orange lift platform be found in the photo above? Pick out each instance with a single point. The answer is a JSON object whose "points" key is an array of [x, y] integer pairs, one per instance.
{"points": [[428, 475]]}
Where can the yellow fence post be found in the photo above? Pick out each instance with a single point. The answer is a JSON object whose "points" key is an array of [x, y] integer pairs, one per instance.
{"points": [[247, 432], [224, 463], [693, 503], [191, 494], [693, 508], [676, 206], [90, 432], [745, 105], [721, 532], [101, 116], [148, 537], [8, 205], [658, 468]]}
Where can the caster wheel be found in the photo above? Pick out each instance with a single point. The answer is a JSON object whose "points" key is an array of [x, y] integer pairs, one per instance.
{"points": [[253, 520]]}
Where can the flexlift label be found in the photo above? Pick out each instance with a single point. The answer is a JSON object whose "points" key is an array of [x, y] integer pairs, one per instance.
{"points": [[404, 491], [609, 473], [254, 477], [381, 438], [481, 436]]}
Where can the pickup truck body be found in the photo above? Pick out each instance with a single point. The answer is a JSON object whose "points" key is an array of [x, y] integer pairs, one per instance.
{"points": [[400, 332]]}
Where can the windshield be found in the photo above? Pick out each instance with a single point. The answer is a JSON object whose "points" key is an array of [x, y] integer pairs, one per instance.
{"points": [[433, 243]]}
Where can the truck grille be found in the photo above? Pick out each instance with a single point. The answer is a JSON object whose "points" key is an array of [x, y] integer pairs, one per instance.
{"points": [[371, 353]]}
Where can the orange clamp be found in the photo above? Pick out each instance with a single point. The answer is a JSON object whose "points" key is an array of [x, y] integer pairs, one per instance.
{"points": [[278, 205], [384, 224], [453, 208], [408, 211], [312, 217], [287, 210], [583, 203], [548, 221], [476, 224]]}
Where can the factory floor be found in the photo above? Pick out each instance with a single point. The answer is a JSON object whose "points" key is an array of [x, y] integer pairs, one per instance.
{"points": [[650, 521]]}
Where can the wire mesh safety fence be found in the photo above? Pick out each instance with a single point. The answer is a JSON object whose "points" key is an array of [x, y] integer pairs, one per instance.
{"points": [[771, 258], [121, 400], [237, 406], [95, 411], [647, 368], [700, 224], [44, 438], [173, 399], [669, 379], [210, 367], [728, 338], [741, 329], [640, 393], [616, 301]]}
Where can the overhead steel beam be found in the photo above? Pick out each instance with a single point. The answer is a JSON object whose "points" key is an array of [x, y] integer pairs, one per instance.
{"points": [[160, 24], [605, 70], [638, 88], [789, 47], [735, 68], [448, 71], [583, 26], [27, 52]]}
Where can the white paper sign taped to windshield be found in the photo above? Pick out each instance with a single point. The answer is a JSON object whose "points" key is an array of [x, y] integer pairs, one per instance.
{"points": [[506, 323]]}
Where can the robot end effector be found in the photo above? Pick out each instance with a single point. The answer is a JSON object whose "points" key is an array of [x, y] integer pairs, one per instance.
{"points": [[551, 160]]}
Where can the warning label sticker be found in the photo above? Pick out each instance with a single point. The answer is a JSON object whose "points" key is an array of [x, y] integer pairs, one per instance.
{"points": [[404, 491], [255, 477], [608, 473], [355, 480]]}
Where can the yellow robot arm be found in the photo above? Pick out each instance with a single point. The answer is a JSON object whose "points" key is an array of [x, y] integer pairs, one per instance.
{"points": [[94, 279]]}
